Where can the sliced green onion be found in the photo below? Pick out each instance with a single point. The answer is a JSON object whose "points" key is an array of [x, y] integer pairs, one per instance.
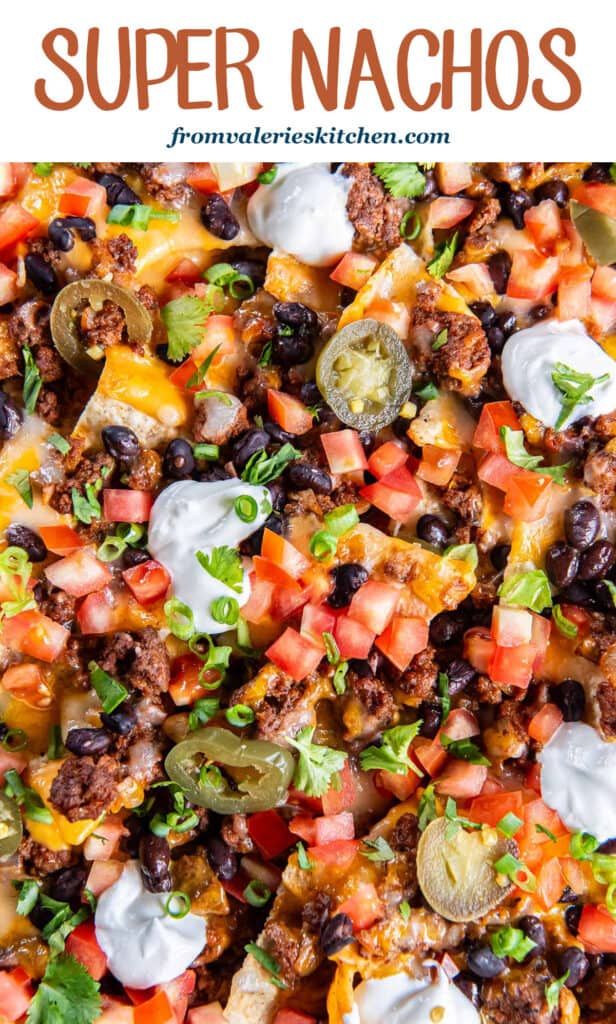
{"points": [[220, 274], [519, 874], [111, 549], [257, 893], [331, 649], [211, 775], [509, 825], [247, 287], [264, 178], [180, 618], [323, 545], [246, 508], [410, 233], [340, 677], [210, 452], [563, 624], [582, 845], [342, 519], [225, 610], [14, 740], [132, 533], [178, 904], [240, 715]]}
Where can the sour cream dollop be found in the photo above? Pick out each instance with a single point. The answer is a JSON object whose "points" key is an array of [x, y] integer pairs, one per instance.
{"points": [[143, 945], [578, 779], [304, 213], [529, 358], [400, 999], [191, 516]]}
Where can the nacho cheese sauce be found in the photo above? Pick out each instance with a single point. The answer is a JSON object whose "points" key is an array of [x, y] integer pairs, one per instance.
{"points": [[303, 212], [529, 357], [191, 516], [400, 999], [578, 779], [143, 944]]}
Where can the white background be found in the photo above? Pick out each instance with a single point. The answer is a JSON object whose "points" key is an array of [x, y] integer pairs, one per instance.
{"points": [[30, 132]]}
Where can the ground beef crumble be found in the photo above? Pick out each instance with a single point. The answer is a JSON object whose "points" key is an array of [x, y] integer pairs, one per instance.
{"points": [[374, 213], [139, 658], [518, 997], [419, 679], [89, 470], [84, 788], [463, 361]]}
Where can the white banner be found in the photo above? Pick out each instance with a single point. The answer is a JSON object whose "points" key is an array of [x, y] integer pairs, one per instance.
{"points": [[192, 81]]}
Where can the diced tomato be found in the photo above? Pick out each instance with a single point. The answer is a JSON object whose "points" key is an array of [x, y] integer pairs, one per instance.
{"points": [[490, 808], [540, 637], [82, 944], [97, 613], [259, 603], [603, 313], [597, 930], [103, 874], [344, 451], [598, 195], [270, 833], [147, 582], [479, 646], [511, 626], [536, 812], [79, 574], [287, 601], [316, 620], [340, 854], [210, 1014], [127, 506], [157, 1010], [402, 786], [274, 574], [405, 637], [604, 283], [550, 883], [203, 179], [544, 723], [354, 640], [104, 843], [387, 458], [446, 213], [26, 682], [185, 271], [512, 666], [461, 724], [83, 198], [8, 285], [532, 779], [177, 991], [235, 886], [61, 540], [34, 634], [496, 470], [374, 605], [532, 276], [494, 415], [401, 479], [8, 183], [11, 759], [289, 1016], [473, 280], [15, 993], [578, 616], [461, 780], [452, 178], [234, 175], [290, 414], [337, 800], [527, 496], [395, 314], [576, 874], [15, 224], [185, 685], [279, 551], [438, 465], [543, 222], [304, 826], [574, 293], [334, 828], [397, 504], [295, 654], [571, 247], [364, 907], [354, 270]]}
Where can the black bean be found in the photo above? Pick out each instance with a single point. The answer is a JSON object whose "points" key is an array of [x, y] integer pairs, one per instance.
{"points": [[496, 340], [179, 461], [515, 205], [484, 963], [292, 349], [534, 930], [577, 593], [247, 445], [135, 556], [430, 714], [598, 172], [557, 190], [67, 885], [212, 474], [499, 556], [347, 579], [433, 530], [87, 742], [484, 311], [60, 235], [278, 495], [310, 394], [122, 721], [582, 523], [23, 537], [572, 917], [574, 961], [222, 858], [217, 217], [155, 856], [41, 273], [446, 628], [596, 561], [279, 435], [561, 564], [118, 192], [10, 417], [301, 319], [302, 476], [362, 667], [469, 987], [570, 697], [254, 269], [121, 443], [336, 934], [84, 226], [507, 322], [499, 266], [603, 595], [460, 674], [162, 351], [541, 312]]}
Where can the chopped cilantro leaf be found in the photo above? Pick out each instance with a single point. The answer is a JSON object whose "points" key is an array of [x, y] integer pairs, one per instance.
{"points": [[184, 319], [67, 992], [401, 179], [111, 693], [33, 381], [527, 590], [377, 850], [317, 766], [392, 755], [443, 257], [518, 456], [464, 750], [575, 388], [426, 811], [552, 991], [20, 480], [262, 468], [224, 564]]}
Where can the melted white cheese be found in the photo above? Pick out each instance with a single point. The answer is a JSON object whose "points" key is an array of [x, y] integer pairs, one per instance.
{"points": [[143, 945], [191, 516], [304, 213], [400, 999], [529, 358], [578, 779]]}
